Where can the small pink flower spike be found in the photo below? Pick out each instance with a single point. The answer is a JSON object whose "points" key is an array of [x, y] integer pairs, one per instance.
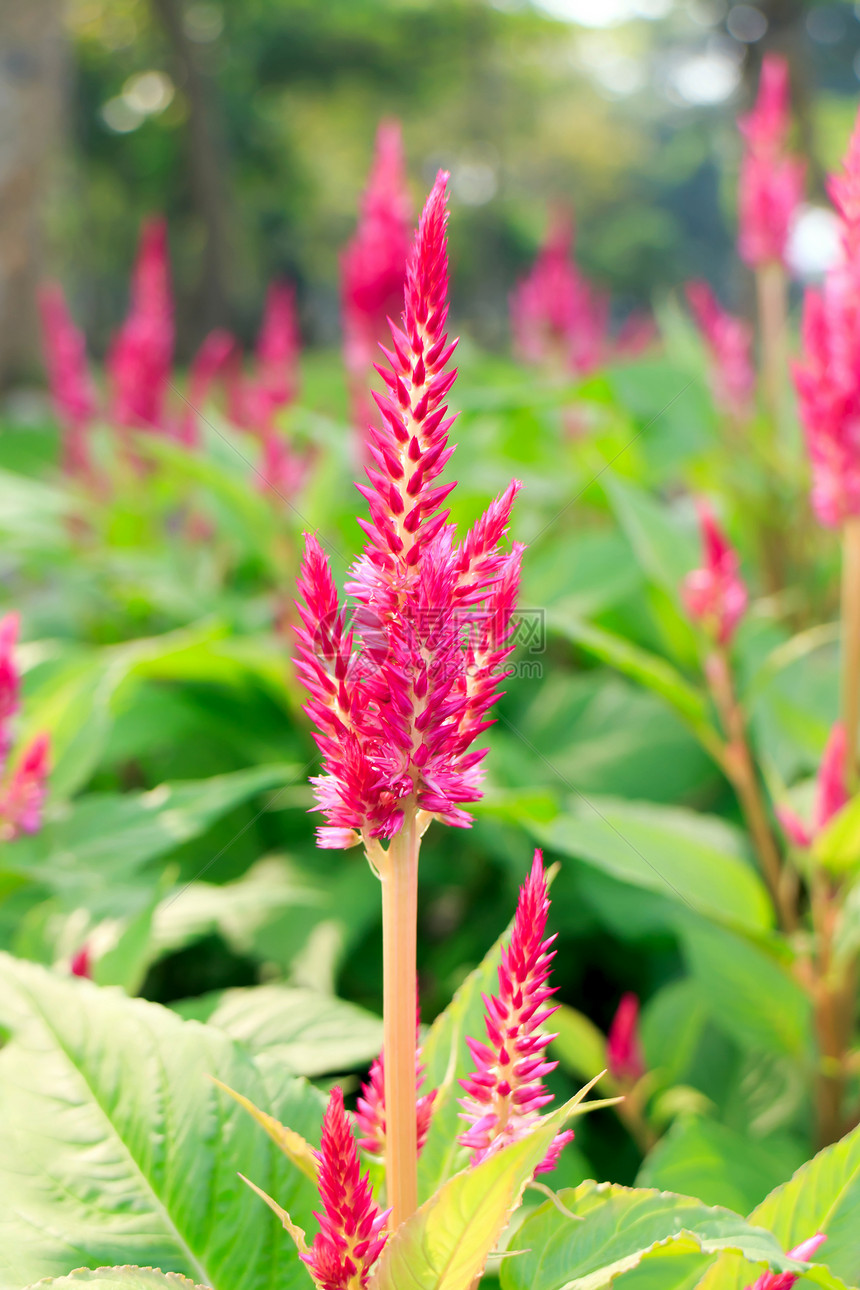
{"points": [[275, 382], [10, 681], [352, 1227], [210, 361], [71, 385], [715, 595], [729, 343], [506, 1091], [141, 354], [81, 963], [804, 1253], [22, 798], [370, 1106], [624, 1056], [832, 793], [771, 181]]}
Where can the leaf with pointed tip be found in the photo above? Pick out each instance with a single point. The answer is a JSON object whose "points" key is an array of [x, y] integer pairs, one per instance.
{"points": [[293, 1145]]}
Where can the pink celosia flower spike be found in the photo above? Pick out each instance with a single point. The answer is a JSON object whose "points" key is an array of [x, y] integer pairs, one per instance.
{"points": [[771, 181], [10, 681], [140, 357], [715, 595], [210, 361], [72, 389], [352, 1227], [832, 793], [22, 798], [399, 706], [370, 1106], [506, 1091], [373, 266], [804, 1253], [729, 343], [624, 1057], [275, 382]]}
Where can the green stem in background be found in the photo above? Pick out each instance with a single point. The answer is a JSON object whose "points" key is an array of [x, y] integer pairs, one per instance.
{"points": [[740, 769], [851, 640], [833, 995], [398, 872], [772, 314]]}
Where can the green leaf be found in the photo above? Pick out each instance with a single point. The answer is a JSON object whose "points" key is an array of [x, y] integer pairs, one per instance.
{"points": [[695, 860], [116, 1145], [624, 1225], [124, 1278], [309, 1033], [837, 847], [665, 550], [579, 1045], [445, 1245]]}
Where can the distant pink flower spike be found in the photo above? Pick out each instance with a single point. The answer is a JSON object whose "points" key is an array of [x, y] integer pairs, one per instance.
{"points": [[22, 798], [211, 359], [10, 681], [140, 357], [370, 1106], [624, 1056], [715, 595], [81, 963], [832, 793], [804, 1253], [506, 1091], [771, 181], [352, 1227], [373, 266], [72, 389], [729, 341], [275, 383], [399, 706], [283, 469], [827, 377]]}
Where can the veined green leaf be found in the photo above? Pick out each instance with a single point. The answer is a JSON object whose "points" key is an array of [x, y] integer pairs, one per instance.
{"points": [[122, 1278]]}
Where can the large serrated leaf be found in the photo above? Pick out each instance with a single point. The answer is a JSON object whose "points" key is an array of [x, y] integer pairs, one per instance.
{"points": [[120, 1278], [116, 1147]]}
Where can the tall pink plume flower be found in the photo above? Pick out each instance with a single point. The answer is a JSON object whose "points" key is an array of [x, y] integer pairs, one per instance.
{"points": [[831, 793], [140, 357], [352, 1227], [729, 341], [399, 700], [71, 385], [715, 595], [804, 1253], [624, 1056], [771, 180], [370, 1106], [373, 265], [827, 377], [506, 1091]]}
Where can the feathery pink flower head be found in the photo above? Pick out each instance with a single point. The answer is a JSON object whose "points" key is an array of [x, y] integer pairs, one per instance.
{"points": [[23, 795], [506, 1091], [373, 265], [729, 342], [352, 1227], [624, 1056], [715, 595], [140, 357], [370, 1106], [831, 793], [399, 698], [805, 1252], [71, 385], [827, 377], [771, 181]]}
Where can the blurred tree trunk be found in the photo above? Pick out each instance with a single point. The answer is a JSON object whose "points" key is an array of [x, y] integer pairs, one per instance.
{"points": [[786, 35], [206, 168], [32, 87]]}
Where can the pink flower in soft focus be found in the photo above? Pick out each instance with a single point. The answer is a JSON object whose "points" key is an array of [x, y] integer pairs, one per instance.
{"points": [[10, 681], [23, 795], [283, 468], [729, 341], [771, 181], [81, 963], [804, 1253], [140, 356], [210, 361], [373, 265], [352, 1227], [831, 793], [399, 699], [506, 1091], [624, 1056], [827, 377], [275, 380], [715, 595], [370, 1106], [69, 378]]}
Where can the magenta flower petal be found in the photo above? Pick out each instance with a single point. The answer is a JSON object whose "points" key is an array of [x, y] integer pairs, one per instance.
{"points": [[804, 1252], [729, 342], [715, 595], [624, 1056], [771, 181]]}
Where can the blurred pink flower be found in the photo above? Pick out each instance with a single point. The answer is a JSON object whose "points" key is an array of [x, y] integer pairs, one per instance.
{"points": [[729, 341], [140, 357], [72, 389], [505, 1093], [804, 1253], [624, 1056], [831, 795], [10, 681], [81, 963], [771, 180], [23, 794], [211, 361], [274, 383], [715, 595]]}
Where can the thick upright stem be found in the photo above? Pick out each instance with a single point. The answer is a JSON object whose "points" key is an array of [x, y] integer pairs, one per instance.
{"points": [[851, 639], [399, 876], [772, 310]]}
